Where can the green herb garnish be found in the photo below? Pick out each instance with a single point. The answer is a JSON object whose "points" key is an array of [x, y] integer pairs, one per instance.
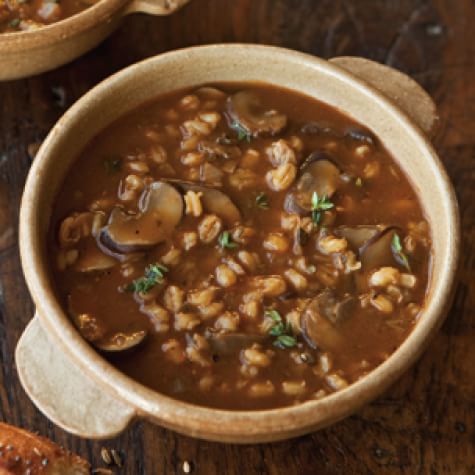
{"points": [[242, 133], [113, 165], [262, 201], [273, 315], [398, 252], [319, 205], [285, 341], [225, 240], [359, 182], [14, 23], [280, 330], [154, 275]]}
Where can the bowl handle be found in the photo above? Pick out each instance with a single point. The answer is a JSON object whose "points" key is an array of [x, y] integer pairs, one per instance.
{"points": [[155, 7], [398, 87], [63, 392]]}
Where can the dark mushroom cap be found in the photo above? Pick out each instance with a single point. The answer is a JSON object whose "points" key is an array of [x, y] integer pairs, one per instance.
{"points": [[160, 210], [358, 235], [246, 109], [321, 317], [373, 243], [318, 173], [377, 251]]}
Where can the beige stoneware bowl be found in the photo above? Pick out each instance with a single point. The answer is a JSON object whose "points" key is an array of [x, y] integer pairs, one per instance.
{"points": [[81, 392], [32, 52]]}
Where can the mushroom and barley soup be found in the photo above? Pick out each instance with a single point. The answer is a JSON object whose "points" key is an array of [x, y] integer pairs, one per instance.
{"points": [[24, 15], [240, 246]]}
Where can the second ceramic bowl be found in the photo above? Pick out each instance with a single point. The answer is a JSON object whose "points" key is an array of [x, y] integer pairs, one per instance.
{"points": [[75, 387], [32, 52]]}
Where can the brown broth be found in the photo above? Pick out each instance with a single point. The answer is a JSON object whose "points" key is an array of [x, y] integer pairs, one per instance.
{"points": [[364, 340]]}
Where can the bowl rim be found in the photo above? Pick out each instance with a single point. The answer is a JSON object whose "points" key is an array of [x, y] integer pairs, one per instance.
{"points": [[62, 29], [189, 418]]}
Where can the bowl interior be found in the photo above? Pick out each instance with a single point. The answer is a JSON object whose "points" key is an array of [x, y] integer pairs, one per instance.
{"points": [[314, 77]]}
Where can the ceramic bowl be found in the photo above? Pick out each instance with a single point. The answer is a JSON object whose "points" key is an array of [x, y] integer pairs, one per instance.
{"points": [[32, 52], [81, 392]]}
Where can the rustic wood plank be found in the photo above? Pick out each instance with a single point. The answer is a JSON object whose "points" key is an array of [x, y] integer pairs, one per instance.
{"points": [[425, 424]]}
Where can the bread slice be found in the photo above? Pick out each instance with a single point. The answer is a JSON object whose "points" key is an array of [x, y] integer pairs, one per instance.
{"points": [[24, 453]]}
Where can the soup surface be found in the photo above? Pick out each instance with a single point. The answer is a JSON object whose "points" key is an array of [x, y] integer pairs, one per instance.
{"points": [[240, 246], [24, 15]]}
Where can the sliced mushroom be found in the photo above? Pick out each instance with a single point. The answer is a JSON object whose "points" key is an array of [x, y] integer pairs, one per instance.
{"points": [[374, 246], [319, 174], [121, 341], [227, 344], [214, 201], [245, 108], [93, 260], [161, 208], [218, 203], [377, 251], [373, 243], [335, 309], [358, 235], [321, 317]]}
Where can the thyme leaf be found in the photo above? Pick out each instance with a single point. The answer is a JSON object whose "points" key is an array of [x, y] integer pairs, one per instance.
{"points": [[280, 330], [319, 205], [398, 252], [285, 341], [154, 274], [225, 240], [242, 133], [273, 315]]}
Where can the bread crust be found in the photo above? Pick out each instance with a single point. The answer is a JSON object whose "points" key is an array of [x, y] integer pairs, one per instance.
{"points": [[25, 453]]}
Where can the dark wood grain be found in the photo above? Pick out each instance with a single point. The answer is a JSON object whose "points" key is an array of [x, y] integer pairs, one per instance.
{"points": [[425, 424]]}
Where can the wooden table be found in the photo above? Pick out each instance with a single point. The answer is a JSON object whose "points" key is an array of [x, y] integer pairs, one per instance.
{"points": [[425, 424]]}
